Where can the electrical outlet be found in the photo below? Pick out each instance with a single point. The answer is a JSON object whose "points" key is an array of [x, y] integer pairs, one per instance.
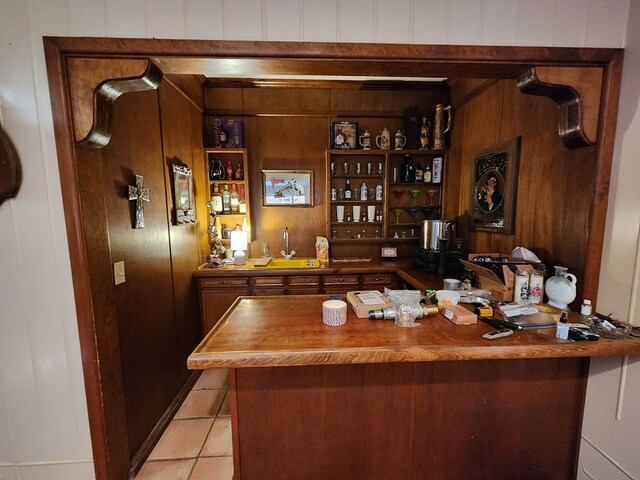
{"points": [[118, 273]]}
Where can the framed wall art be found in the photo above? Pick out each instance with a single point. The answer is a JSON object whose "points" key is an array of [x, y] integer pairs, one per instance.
{"points": [[344, 135], [183, 191], [494, 186], [287, 188]]}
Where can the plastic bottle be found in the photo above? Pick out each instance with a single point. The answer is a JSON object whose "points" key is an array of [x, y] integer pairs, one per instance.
{"points": [[586, 309], [562, 328]]}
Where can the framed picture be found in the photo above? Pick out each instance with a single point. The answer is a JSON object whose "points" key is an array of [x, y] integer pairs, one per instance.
{"points": [[183, 191], [344, 135], [287, 188], [494, 185]]}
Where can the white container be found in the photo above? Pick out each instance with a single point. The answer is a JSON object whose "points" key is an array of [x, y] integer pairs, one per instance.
{"points": [[447, 297], [536, 288], [371, 213], [521, 288], [334, 313], [561, 288], [340, 213], [356, 213]]}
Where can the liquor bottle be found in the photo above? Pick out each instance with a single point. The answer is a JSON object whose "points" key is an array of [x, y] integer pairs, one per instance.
{"points": [[226, 200], [419, 174], [408, 173], [347, 190], [242, 204], [364, 192], [239, 173], [229, 171], [216, 200], [427, 175], [234, 199]]}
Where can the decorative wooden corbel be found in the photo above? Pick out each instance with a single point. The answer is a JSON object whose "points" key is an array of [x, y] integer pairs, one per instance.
{"points": [[96, 83], [10, 171], [577, 92]]}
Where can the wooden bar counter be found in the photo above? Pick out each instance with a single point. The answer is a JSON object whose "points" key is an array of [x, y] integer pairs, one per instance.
{"points": [[370, 400]]}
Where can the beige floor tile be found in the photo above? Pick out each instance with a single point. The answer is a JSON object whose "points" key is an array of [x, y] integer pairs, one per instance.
{"points": [[219, 440], [182, 439], [213, 378], [201, 403], [166, 470], [213, 468], [224, 409]]}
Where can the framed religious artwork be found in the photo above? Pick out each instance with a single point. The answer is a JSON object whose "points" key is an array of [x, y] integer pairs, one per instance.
{"points": [[183, 195], [494, 187], [344, 135], [287, 188]]}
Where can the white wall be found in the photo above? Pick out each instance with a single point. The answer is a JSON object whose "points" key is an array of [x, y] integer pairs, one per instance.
{"points": [[43, 418]]}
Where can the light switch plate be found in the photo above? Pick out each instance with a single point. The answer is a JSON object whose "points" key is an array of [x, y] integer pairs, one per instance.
{"points": [[118, 273]]}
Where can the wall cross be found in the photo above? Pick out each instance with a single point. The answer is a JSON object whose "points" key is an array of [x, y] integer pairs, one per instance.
{"points": [[140, 195]]}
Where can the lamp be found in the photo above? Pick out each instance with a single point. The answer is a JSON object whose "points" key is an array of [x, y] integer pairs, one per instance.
{"points": [[239, 243]]}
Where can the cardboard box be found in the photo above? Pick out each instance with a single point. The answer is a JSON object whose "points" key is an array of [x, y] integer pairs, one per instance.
{"points": [[362, 302], [501, 290], [459, 315]]}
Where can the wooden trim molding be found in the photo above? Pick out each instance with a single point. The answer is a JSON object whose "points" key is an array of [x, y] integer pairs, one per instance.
{"points": [[577, 91], [10, 170], [95, 84]]}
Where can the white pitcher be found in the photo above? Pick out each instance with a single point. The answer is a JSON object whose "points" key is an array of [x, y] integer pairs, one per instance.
{"points": [[561, 288]]}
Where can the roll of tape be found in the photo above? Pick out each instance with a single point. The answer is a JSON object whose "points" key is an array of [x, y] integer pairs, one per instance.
{"points": [[334, 313]]}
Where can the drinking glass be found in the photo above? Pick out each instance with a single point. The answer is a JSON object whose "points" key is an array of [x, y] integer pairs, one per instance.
{"points": [[415, 193], [397, 212]]}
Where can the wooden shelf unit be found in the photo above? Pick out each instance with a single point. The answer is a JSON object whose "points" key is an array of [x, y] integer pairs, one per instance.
{"points": [[237, 156], [396, 195]]}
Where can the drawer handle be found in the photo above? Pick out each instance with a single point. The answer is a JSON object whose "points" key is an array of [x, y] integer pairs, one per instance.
{"points": [[225, 282], [341, 279]]}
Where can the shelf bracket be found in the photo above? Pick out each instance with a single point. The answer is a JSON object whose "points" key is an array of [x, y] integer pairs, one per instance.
{"points": [[577, 91], [93, 96]]}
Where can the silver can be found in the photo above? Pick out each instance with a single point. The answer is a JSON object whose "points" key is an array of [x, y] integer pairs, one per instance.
{"points": [[536, 288]]}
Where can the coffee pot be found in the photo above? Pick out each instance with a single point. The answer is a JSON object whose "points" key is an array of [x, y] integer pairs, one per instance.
{"points": [[561, 288], [383, 141]]}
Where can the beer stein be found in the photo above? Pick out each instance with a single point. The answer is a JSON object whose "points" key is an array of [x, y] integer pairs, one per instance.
{"points": [[365, 140], [399, 140], [383, 141], [439, 130]]}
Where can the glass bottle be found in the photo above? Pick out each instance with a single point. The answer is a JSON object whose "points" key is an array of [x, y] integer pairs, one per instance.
{"points": [[408, 172], [229, 171], [242, 204], [239, 173], [216, 200], [347, 190], [364, 192], [234, 199], [419, 174], [427, 175], [226, 200]]}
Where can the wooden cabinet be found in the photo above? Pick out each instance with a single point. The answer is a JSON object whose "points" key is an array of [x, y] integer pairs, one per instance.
{"points": [[216, 296], [268, 285], [397, 216], [340, 283], [236, 159], [303, 285]]}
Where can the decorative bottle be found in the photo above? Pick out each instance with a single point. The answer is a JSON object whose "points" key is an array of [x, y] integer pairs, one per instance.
{"points": [[234, 199], [229, 171], [226, 200], [561, 288], [424, 134], [364, 192], [347, 190], [407, 175], [216, 200]]}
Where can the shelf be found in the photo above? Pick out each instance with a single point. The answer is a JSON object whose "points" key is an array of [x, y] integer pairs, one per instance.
{"points": [[355, 177], [355, 202], [224, 150], [415, 185], [377, 151], [407, 207], [400, 240], [231, 214], [391, 225], [357, 240], [228, 181], [356, 223]]}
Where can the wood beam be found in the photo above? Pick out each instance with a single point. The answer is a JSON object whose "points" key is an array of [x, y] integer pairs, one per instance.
{"points": [[577, 91]]}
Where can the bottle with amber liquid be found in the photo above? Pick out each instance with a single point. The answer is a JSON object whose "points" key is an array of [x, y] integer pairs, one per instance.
{"points": [[234, 199], [216, 200], [242, 204]]}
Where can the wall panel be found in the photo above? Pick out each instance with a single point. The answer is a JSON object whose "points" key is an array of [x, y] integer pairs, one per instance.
{"points": [[356, 20], [319, 21], [203, 19], [281, 27], [243, 20]]}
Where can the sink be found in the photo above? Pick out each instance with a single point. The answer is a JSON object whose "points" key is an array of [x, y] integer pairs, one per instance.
{"points": [[293, 263]]}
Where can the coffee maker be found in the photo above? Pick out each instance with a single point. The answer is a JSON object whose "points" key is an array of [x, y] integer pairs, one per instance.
{"points": [[438, 252]]}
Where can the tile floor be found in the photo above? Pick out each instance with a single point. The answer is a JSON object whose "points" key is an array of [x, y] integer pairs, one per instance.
{"points": [[197, 443]]}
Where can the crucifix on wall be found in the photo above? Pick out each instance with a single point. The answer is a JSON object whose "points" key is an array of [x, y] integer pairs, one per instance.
{"points": [[140, 195]]}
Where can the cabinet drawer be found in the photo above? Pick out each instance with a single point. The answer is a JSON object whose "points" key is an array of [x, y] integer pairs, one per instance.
{"points": [[270, 281], [376, 279], [341, 280], [265, 291], [303, 290], [304, 280], [225, 282]]}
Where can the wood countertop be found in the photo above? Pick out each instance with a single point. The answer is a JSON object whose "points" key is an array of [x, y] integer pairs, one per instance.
{"points": [[410, 273], [288, 330]]}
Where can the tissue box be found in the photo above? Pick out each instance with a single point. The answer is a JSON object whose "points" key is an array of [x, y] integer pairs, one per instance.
{"points": [[364, 301]]}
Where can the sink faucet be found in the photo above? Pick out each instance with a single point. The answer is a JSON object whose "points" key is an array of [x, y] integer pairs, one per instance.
{"points": [[288, 255]]}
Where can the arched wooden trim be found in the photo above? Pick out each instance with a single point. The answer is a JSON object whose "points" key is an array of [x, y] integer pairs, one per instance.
{"points": [[10, 171], [577, 91], [93, 96]]}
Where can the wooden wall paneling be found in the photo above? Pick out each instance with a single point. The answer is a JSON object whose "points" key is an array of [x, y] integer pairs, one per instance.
{"points": [[223, 99], [287, 143], [144, 303], [109, 406], [468, 399], [191, 86], [285, 100], [342, 398], [181, 125]]}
